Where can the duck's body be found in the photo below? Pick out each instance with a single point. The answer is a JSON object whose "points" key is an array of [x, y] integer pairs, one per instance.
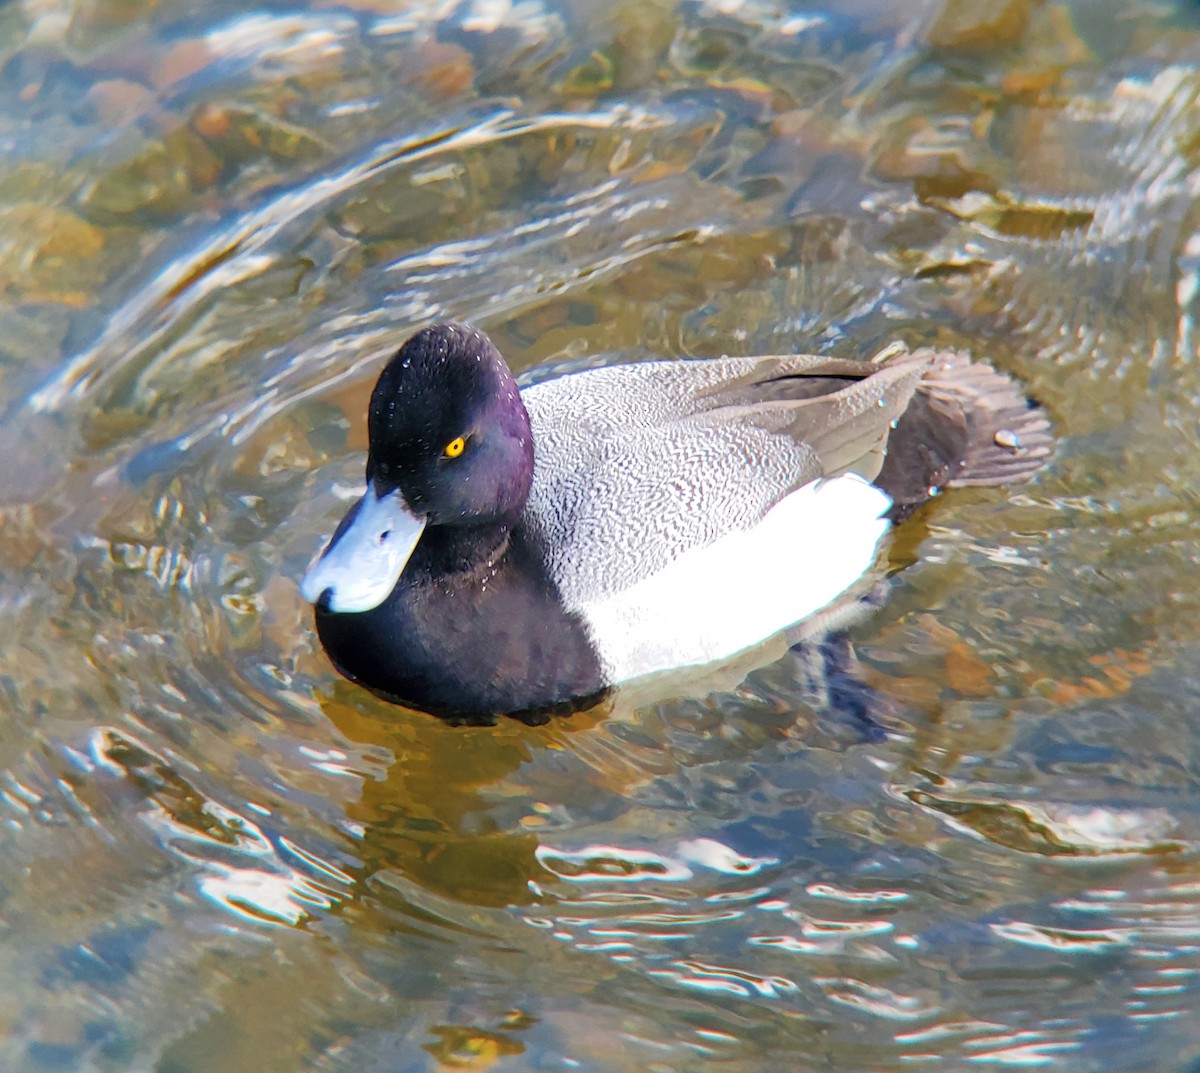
{"points": [[470, 643], [521, 553]]}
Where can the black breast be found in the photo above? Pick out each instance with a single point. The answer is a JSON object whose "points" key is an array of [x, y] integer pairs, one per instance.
{"points": [[472, 643]]}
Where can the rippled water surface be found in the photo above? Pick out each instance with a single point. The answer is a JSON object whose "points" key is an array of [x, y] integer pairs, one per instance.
{"points": [[216, 220]]}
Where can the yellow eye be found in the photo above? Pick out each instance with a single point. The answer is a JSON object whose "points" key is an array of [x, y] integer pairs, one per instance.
{"points": [[454, 448]]}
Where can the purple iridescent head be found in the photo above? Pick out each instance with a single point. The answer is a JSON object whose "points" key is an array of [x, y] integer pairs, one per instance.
{"points": [[448, 429], [451, 453]]}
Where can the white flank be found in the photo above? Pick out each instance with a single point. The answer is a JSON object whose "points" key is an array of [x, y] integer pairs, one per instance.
{"points": [[715, 601]]}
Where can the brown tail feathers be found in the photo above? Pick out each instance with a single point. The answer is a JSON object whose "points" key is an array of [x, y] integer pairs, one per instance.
{"points": [[966, 424]]}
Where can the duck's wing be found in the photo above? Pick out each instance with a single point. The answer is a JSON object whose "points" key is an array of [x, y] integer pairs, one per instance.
{"points": [[648, 394], [638, 465], [688, 510]]}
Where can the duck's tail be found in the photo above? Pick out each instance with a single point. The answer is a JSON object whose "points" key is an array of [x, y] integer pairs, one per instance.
{"points": [[967, 424]]}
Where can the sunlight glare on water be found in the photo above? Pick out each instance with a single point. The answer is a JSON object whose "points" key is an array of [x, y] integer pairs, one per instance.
{"points": [[974, 848]]}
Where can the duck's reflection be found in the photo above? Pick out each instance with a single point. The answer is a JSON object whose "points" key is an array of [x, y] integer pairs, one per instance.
{"points": [[459, 812], [450, 817]]}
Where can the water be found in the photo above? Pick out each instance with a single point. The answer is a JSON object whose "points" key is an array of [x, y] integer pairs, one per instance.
{"points": [[219, 856]]}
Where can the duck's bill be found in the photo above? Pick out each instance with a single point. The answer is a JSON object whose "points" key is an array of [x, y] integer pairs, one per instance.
{"points": [[366, 556]]}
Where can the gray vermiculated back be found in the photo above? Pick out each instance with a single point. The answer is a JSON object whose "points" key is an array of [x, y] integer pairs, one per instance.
{"points": [[670, 456]]}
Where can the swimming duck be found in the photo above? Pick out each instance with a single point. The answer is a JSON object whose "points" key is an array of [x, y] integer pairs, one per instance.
{"points": [[521, 552]]}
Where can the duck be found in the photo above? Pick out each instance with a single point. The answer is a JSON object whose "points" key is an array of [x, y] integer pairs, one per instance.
{"points": [[525, 552]]}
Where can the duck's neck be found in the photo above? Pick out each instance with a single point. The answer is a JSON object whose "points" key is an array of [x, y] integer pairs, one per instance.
{"points": [[459, 550]]}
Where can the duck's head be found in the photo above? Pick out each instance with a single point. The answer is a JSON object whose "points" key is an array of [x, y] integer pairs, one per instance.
{"points": [[450, 446]]}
